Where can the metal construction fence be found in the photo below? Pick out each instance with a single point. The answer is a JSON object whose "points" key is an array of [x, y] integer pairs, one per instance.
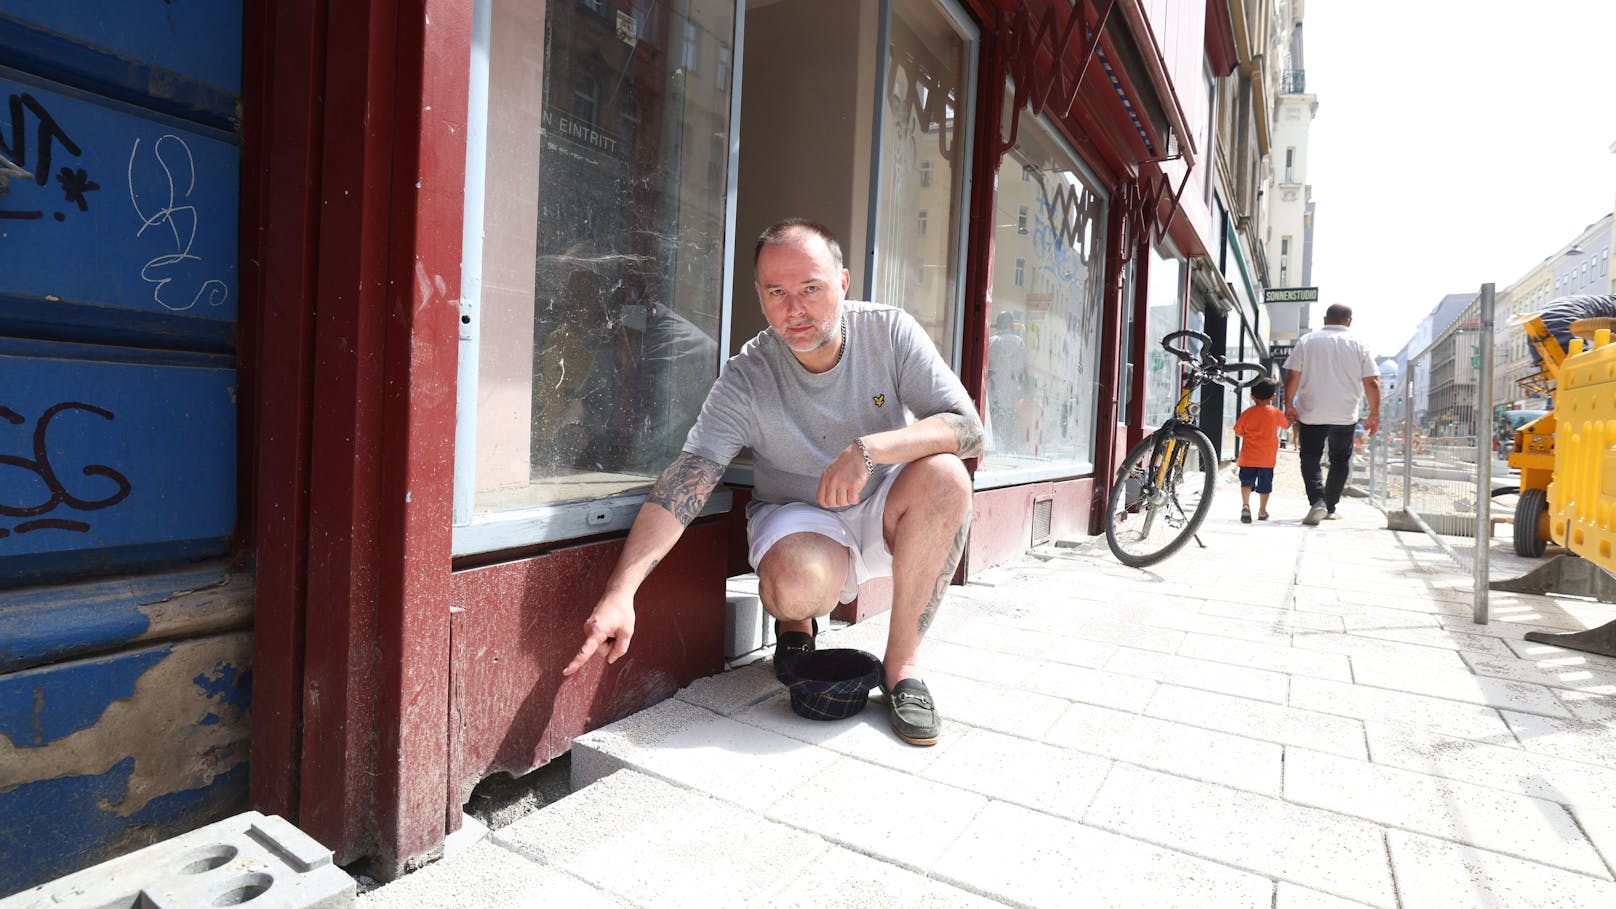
{"points": [[1431, 466]]}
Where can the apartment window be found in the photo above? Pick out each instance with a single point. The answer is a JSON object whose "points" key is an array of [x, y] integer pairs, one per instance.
{"points": [[925, 172], [1021, 220], [690, 56], [1290, 164], [717, 159], [585, 98], [1021, 272], [920, 221], [722, 70]]}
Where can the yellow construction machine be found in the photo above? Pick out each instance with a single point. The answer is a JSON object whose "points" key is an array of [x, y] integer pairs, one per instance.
{"points": [[1567, 462]]}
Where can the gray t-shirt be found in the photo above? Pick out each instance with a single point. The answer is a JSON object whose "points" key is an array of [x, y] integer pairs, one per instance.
{"points": [[796, 422]]}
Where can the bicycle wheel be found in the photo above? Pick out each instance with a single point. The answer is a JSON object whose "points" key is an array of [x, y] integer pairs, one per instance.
{"points": [[1161, 496]]}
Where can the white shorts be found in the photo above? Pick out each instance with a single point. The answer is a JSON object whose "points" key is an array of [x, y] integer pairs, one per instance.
{"points": [[858, 528]]}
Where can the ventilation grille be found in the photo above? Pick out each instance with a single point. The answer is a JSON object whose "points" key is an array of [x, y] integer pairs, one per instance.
{"points": [[1043, 511]]}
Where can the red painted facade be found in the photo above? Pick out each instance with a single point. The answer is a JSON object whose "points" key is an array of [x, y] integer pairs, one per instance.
{"points": [[387, 681]]}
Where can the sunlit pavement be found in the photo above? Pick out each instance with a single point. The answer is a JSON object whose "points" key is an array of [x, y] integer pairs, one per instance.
{"points": [[1290, 716]]}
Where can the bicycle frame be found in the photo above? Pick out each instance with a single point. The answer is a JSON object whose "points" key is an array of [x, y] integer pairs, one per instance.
{"points": [[1183, 415]]}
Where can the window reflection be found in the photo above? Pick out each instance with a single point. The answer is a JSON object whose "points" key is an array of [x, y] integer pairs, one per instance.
{"points": [[603, 227]]}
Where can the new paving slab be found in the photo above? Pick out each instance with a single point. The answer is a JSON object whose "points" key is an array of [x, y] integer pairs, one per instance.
{"points": [[1293, 717]]}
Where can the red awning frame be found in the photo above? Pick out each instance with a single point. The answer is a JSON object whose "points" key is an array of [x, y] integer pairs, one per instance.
{"points": [[1049, 50]]}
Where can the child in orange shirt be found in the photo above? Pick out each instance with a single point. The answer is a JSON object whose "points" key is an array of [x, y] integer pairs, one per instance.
{"points": [[1259, 426]]}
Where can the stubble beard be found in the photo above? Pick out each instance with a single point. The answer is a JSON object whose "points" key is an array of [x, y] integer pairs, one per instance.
{"points": [[825, 335]]}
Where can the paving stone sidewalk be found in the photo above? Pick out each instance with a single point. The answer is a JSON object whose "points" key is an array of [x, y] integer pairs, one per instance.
{"points": [[1293, 717]]}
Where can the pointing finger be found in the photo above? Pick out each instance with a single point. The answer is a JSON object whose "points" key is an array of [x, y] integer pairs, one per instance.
{"points": [[591, 644]]}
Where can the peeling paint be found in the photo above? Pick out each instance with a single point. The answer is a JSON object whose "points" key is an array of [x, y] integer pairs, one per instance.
{"points": [[56, 623], [162, 725]]}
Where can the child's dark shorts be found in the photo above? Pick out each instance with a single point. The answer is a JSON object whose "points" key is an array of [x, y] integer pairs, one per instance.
{"points": [[1258, 478]]}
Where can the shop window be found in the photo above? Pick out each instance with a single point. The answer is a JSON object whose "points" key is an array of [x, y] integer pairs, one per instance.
{"points": [[592, 300], [1043, 347], [923, 164]]}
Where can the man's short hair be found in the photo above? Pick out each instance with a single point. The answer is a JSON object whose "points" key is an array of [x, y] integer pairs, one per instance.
{"points": [[1263, 389], [778, 233], [1338, 314]]}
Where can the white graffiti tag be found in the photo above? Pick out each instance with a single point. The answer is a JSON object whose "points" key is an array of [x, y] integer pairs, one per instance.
{"points": [[172, 158]]}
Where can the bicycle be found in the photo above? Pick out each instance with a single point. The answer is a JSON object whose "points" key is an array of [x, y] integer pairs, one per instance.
{"points": [[1163, 490]]}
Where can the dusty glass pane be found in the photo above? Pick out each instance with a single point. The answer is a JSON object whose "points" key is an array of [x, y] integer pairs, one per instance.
{"points": [[1043, 347], [603, 243], [923, 144]]}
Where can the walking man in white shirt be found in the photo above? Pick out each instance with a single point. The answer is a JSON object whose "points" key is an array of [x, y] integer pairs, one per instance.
{"points": [[1326, 376]]}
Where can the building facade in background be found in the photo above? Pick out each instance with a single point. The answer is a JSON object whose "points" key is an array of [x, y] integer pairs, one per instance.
{"points": [[1289, 196], [1580, 267]]}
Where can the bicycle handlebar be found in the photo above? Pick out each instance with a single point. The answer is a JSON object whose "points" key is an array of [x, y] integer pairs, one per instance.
{"points": [[1212, 367], [1183, 353]]}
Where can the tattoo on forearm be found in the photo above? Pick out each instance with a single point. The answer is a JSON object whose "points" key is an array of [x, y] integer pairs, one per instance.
{"points": [[652, 567], [684, 486], [940, 587], [967, 434]]}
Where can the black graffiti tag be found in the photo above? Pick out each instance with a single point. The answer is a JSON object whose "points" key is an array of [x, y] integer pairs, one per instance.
{"points": [[40, 466], [14, 157]]}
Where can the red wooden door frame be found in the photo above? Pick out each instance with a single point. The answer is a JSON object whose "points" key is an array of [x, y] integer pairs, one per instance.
{"points": [[362, 117]]}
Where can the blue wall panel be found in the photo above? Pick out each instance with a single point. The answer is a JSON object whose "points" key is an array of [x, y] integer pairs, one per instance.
{"points": [[111, 210], [104, 462], [157, 53], [104, 755]]}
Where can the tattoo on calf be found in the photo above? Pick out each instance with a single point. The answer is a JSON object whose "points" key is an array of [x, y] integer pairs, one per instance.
{"points": [[940, 587], [684, 486], [967, 434]]}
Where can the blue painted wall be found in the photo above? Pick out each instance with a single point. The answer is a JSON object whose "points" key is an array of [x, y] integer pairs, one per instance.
{"points": [[119, 206], [88, 753]]}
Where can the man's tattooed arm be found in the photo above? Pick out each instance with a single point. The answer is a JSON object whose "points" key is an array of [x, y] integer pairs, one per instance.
{"points": [[967, 433], [684, 486]]}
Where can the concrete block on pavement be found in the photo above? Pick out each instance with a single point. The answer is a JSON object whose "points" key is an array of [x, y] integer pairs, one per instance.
{"points": [[746, 626], [249, 857]]}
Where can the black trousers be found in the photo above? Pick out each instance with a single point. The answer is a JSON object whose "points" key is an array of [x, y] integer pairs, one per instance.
{"points": [[1315, 438]]}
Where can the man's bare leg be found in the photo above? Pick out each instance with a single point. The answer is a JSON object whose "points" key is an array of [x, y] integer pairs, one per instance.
{"points": [[800, 579], [927, 516]]}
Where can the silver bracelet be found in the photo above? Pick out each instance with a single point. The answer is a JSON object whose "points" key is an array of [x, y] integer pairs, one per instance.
{"points": [[869, 465]]}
